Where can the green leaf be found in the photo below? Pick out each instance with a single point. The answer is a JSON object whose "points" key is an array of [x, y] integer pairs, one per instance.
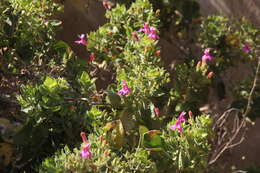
{"points": [[180, 164], [55, 22], [50, 83], [114, 99], [152, 140], [85, 80], [143, 129], [60, 46]]}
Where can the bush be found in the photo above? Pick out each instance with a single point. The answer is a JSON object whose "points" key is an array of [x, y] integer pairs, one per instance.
{"points": [[133, 124]]}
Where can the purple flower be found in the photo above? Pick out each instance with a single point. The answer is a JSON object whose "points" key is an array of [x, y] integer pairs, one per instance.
{"points": [[150, 31], [180, 120], [207, 57], [181, 117], [153, 35], [125, 90], [246, 48], [145, 29], [82, 40], [177, 126], [85, 153]]}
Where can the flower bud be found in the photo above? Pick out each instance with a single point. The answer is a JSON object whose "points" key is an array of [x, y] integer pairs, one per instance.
{"points": [[190, 114], [106, 153], [157, 12], [83, 136], [210, 75], [72, 108], [135, 36], [106, 4], [156, 111], [158, 52]]}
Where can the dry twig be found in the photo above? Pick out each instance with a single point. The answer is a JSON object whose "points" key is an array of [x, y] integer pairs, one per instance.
{"points": [[230, 135]]}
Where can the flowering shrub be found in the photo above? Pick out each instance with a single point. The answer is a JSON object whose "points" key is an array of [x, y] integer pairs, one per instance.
{"points": [[140, 105], [27, 31], [232, 43], [101, 160], [178, 152], [139, 122]]}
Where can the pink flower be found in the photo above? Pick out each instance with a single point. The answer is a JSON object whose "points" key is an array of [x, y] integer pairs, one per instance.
{"points": [[85, 153], [107, 5], [125, 90], [145, 29], [246, 48], [156, 111], [207, 57], [82, 40], [150, 31], [91, 58], [177, 125], [153, 35]]}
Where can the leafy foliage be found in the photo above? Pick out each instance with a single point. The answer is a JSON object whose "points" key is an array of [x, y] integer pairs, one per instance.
{"points": [[27, 31], [132, 124], [103, 160], [55, 116]]}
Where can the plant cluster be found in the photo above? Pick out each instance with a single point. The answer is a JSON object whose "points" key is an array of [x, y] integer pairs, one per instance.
{"points": [[146, 120], [141, 103], [27, 31]]}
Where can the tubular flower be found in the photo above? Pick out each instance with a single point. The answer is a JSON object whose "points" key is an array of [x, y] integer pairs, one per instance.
{"points": [[207, 57], [156, 111], [246, 48], [145, 29], [150, 31], [85, 153], [153, 35], [125, 89], [180, 120], [83, 137], [82, 40], [92, 57]]}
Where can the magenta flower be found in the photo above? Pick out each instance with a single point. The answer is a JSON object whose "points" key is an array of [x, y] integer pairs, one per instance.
{"points": [[92, 57], [82, 40], [125, 90], [246, 48], [207, 57], [177, 126], [153, 35], [85, 153], [180, 120], [145, 29], [150, 31]]}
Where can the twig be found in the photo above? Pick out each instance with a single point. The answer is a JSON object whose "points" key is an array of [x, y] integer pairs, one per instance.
{"points": [[248, 108], [223, 144]]}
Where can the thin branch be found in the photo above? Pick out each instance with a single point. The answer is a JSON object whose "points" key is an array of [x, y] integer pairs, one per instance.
{"points": [[248, 108], [238, 125]]}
